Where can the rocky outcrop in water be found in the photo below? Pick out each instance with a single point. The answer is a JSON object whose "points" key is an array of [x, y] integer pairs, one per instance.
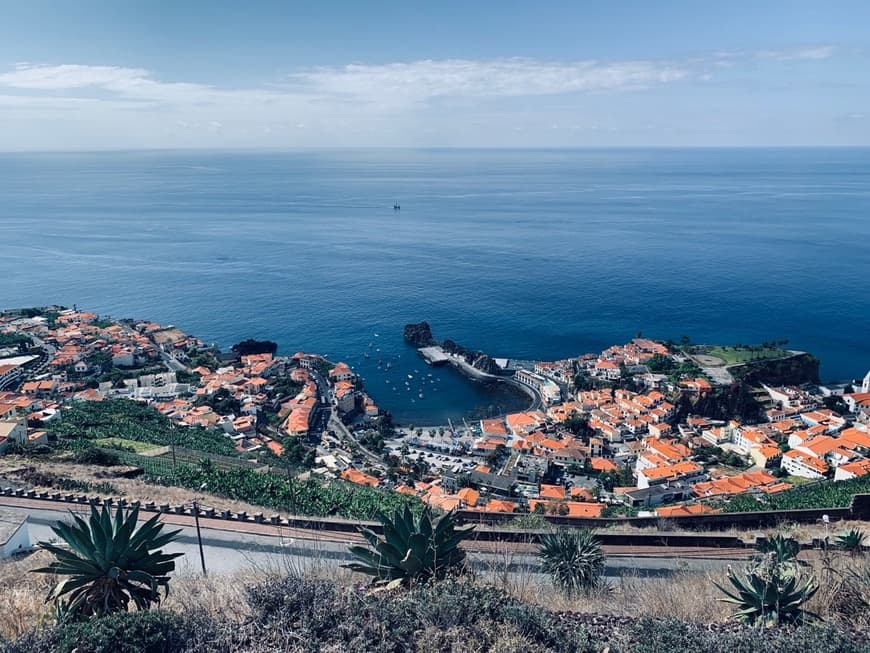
{"points": [[419, 335]]}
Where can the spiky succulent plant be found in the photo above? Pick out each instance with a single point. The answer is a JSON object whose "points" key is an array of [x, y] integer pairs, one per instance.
{"points": [[110, 564], [573, 559], [411, 549], [851, 541], [764, 597], [784, 549]]}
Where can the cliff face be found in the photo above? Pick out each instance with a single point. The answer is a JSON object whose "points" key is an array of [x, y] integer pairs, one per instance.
{"points": [[419, 335], [796, 370], [734, 401]]}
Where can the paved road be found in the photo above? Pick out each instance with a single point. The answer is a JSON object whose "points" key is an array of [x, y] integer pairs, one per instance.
{"points": [[172, 363], [233, 546]]}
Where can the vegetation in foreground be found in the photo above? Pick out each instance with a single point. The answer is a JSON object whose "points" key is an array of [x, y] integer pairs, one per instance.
{"points": [[299, 613], [573, 559], [109, 564], [412, 549], [307, 614]]}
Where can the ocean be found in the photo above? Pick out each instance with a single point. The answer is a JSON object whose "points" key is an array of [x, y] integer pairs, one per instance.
{"points": [[532, 254]]}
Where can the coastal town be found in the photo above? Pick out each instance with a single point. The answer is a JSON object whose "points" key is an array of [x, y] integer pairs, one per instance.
{"points": [[642, 428]]}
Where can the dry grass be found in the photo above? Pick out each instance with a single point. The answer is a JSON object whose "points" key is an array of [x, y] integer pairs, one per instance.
{"points": [[689, 596], [22, 594], [220, 595]]}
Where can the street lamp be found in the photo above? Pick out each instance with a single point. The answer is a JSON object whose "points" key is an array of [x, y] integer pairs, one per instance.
{"points": [[826, 520], [198, 533]]}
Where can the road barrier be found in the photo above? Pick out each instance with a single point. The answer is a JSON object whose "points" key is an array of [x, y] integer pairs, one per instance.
{"points": [[495, 527]]}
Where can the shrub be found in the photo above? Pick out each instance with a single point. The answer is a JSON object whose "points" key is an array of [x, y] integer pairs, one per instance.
{"points": [[158, 631], [452, 615], [96, 456], [674, 636], [573, 559]]}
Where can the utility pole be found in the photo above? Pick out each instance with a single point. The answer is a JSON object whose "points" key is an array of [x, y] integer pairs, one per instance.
{"points": [[198, 533]]}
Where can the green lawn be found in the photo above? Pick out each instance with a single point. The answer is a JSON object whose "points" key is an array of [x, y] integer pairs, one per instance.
{"points": [[731, 355], [137, 446]]}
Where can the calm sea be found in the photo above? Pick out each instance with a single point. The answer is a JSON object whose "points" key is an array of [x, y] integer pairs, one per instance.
{"points": [[526, 254]]}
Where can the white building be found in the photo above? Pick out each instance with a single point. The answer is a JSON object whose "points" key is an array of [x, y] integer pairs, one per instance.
{"points": [[11, 432], [798, 463], [548, 390]]}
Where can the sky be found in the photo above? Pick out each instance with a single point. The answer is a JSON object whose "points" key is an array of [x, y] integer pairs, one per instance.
{"points": [[108, 75]]}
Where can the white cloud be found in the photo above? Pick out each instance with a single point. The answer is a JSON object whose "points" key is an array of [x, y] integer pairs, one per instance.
{"points": [[71, 76], [817, 53], [419, 80], [392, 103]]}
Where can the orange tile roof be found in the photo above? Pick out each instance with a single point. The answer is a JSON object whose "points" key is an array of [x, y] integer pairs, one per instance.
{"points": [[808, 461], [497, 505], [672, 471], [552, 491], [446, 502], [584, 509], [603, 465], [581, 494], [493, 427], [684, 511], [856, 437], [857, 467], [469, 496], [355, 476]]}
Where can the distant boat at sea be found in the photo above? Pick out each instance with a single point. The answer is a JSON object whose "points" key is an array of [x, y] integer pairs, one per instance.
{"points": [[397, 207]]}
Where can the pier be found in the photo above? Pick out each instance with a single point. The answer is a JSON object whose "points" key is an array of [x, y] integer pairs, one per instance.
{"points": [[433, 355]]}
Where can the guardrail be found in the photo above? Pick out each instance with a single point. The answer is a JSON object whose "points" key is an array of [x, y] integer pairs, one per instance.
{"points": [[485, 532]]}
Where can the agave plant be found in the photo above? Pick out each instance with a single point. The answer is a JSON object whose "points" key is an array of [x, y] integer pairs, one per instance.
{"points": [[573, 559], [769, 599], [851, 541], [109, 564], [784, 549], [411, 549]]}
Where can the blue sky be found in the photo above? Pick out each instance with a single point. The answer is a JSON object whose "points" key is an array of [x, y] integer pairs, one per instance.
{"points": [[120, 75]]}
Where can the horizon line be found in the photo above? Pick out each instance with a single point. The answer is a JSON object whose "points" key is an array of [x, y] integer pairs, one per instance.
{"points": [[423, 148]]}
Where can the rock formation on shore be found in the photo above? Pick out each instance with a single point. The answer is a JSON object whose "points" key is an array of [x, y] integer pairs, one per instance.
{"points": [[420, 335]]}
